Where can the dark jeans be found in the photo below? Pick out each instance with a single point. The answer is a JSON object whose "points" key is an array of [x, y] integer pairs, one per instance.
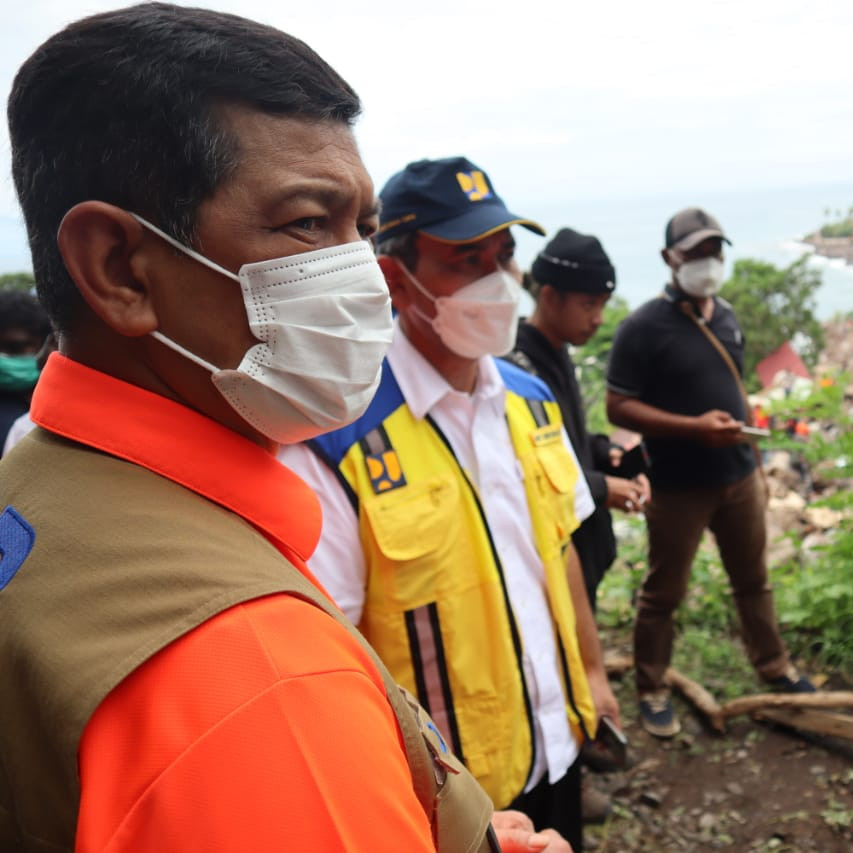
{"points": [[676, 520], [556, 806]]}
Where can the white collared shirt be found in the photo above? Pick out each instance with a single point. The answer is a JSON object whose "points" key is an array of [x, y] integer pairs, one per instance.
{"points": [[476, 428]]}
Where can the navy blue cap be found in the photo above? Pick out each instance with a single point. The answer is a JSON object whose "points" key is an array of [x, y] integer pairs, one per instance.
{"points": [[449, 199]]}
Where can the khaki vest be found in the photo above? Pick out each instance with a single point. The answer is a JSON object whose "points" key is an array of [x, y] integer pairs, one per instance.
{"points": [[124, 562], [436, 606]]}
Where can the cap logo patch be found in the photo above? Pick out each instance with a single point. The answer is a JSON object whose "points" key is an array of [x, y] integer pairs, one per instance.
{"points": [[474, 185]]}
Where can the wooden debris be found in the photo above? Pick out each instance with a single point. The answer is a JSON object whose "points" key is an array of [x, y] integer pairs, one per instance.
{"points": [[698, 695], [806, 719], [803, 711]]}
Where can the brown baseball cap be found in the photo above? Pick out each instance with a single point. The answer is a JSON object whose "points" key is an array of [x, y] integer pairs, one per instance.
{"points": [[689, 227]]}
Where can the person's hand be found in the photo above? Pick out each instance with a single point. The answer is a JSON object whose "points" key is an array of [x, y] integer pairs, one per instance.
{"points": [[716, 428], [627, 495], [645, 488], [516, 834], [603, 698]]}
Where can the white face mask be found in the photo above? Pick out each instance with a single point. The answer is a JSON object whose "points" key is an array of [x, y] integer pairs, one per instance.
{"points": [[324, 322], [701, 277], [479, 319]]}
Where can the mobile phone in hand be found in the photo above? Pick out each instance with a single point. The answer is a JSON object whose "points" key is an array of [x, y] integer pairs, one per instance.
{"points": [[612, 740], [755, 432], [634, 461]]}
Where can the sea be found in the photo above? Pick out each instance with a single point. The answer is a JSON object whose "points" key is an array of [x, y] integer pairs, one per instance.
{"points": [[767, 224]]}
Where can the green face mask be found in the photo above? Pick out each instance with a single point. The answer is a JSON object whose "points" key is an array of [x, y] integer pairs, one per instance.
{"points": [[18, 372]]}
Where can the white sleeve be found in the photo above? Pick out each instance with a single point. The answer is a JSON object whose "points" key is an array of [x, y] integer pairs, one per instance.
{"points": [[17, 431], [338, 561], [584, 504]]}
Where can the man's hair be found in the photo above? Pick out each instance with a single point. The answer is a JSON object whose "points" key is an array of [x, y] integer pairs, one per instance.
{"points": [[125, 107], [21, 310], [402, 246]]}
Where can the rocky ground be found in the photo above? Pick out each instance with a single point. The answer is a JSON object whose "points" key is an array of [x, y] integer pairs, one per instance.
{"points": [[754, 788]]}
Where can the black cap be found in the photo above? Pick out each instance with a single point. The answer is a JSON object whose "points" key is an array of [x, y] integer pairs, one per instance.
{"points": [[573, 261], [689, 227], [449, 199]]}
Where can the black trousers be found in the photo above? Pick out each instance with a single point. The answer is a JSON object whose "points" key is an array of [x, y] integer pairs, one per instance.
{"points": [[556, 806]]}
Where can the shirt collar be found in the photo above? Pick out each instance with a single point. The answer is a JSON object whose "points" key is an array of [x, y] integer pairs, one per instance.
{"points": [[131, 423], [423, 387]]}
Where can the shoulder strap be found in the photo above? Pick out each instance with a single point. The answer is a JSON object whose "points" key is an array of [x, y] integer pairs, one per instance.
{"points": [[687, 309]]}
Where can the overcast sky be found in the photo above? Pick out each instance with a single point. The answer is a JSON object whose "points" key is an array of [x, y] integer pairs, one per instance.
{"points": [[556, 98]]}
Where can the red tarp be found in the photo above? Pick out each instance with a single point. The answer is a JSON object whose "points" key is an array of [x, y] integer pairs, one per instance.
{"points": [[783, 358]]}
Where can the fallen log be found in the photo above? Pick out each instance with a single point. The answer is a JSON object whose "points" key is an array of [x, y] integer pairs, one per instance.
{"points": [[806, 719], [821, 699], [698, 695], [804, 711]]}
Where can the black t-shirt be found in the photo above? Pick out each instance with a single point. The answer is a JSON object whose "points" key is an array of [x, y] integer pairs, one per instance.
{"points": [[661, 358]]}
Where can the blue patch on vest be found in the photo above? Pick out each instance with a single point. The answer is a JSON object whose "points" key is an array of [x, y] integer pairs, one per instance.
{"points": [[432, 727], [16, 542], [522, 383]]}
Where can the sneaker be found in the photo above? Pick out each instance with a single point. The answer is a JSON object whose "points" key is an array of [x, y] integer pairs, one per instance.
{"points": [[792, 682], [595, 805], [657, 714]]}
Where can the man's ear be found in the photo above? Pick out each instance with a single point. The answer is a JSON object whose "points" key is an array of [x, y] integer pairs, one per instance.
{"points": [[550, 297], [669, 259], [102, 247], [396, 279]]}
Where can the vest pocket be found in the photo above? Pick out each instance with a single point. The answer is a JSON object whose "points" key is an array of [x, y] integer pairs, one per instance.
{"points": [[557, 464], [415, 520]]}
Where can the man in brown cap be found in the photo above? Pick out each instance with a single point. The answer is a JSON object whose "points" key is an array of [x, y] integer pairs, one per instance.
{"points": [[675, 376]]}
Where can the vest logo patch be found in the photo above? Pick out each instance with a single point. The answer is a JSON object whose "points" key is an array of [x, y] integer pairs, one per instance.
{"points": [[16, 541], [474, 185], [384, 471]]}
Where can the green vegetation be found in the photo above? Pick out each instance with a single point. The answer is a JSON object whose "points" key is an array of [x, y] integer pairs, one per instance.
{"points": [[591, 358], [774, 305], [814, 596], [17, 281], [842, 227]]}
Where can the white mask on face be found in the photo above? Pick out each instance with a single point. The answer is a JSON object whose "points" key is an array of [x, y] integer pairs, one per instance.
{"points": [[324, 322], [700, 278], [479, 319]]}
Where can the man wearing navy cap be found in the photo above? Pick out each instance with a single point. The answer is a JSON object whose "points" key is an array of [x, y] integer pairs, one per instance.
{"points": [[674, 376], [452, 500]]}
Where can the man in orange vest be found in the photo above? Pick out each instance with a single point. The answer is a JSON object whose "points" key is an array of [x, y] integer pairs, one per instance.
{"points": [[173, 677]]}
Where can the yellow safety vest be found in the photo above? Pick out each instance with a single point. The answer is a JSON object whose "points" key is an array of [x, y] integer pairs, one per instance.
{"points": [[437, 608]]}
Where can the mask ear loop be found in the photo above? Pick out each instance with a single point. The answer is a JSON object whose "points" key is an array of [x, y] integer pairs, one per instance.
{"points": [[157, 335], [421, 289], [184, 352], [182, 248]]}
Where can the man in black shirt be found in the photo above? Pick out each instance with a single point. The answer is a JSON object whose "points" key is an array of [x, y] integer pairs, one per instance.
{"points": [[669, 379], [572, 280]]}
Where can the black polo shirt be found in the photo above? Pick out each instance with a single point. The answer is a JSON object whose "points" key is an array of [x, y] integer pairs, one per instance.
{"points": [[661, 358]]}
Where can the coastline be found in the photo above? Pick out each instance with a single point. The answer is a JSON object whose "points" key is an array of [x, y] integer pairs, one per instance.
{"points": [[831, 247]]}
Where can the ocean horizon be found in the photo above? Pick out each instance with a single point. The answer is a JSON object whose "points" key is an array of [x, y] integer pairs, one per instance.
{"points": [[767, 224]]}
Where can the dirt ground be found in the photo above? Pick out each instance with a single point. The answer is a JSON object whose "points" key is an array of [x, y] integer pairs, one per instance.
{"points": [[755, 788]]}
